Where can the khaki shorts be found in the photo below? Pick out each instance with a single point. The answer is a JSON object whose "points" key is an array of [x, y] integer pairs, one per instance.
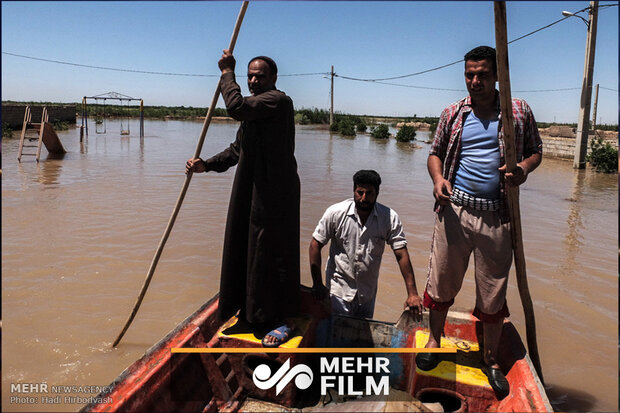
{"points": [[458, 232]]}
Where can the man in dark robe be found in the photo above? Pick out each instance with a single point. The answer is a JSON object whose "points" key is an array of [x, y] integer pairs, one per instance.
{"points": [[260, 265]]}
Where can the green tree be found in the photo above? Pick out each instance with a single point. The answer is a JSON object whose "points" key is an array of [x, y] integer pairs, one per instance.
{"points": [[405, 134], [334, 126], [603, 158], [346, 127], [380, 131], [301, 119], [314, 115], [361, 126]]}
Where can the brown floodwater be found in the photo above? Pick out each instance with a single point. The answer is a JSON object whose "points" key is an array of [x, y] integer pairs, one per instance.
{"points": [[79, 233]]}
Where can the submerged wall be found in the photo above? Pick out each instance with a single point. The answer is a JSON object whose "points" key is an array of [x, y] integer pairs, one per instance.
{"points": [[13, 115]]}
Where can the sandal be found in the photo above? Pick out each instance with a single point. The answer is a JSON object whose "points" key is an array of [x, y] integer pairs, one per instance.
{"points": [[427, 361], [497, 380], [282, 335]]}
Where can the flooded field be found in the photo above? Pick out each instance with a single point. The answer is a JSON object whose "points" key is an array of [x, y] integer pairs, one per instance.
{"points": [[79, 233]]}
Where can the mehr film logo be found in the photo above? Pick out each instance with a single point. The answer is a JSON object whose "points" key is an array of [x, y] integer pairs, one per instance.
{"points": [[341, 373], [335, 373], [264, 380]]}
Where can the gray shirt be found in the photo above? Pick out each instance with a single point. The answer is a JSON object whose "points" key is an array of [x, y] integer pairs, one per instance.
{"points": [[356, 250]]}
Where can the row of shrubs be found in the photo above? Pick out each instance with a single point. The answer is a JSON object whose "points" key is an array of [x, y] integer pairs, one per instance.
{"points": [[405, 134], [303, 116], [603, 157], [348, 125], [96, 110]]}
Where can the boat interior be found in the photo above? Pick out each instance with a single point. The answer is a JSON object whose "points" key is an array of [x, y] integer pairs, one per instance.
{"points": [[165, 380]]}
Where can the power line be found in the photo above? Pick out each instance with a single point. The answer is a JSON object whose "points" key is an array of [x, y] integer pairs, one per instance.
{"points": [[375, 80], [108, 68], [410, 86], [461, 60], [305, 74], [542, 28], [557, 21], [548, 90], [399, 77], [141, 71], [463, 90]]}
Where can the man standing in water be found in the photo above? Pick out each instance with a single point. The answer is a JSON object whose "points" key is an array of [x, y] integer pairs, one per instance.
{"points": [[260, 265], [466, 164], [358, 230]]}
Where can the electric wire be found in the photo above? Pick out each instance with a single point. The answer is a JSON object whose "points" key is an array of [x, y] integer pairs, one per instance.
{"points": [[149, 72], [108, 68], [372, 80], [464, 90], [461, 60]]}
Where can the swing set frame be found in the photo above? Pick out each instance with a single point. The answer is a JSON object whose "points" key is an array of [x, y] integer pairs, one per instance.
{"points": [[112, 96]]}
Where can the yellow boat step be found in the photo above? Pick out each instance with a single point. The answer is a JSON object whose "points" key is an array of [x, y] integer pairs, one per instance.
{"points": [[240, 330], [451, 371]]}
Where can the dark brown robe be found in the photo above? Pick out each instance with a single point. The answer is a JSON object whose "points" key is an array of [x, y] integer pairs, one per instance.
{"points": [[260, 264]]}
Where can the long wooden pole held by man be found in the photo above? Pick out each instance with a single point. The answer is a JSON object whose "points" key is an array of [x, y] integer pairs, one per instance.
{"points": [[188, 179], [503, 76]]}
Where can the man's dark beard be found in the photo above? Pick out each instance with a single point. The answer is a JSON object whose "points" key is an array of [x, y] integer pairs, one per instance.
{"points": [[364, 207]]}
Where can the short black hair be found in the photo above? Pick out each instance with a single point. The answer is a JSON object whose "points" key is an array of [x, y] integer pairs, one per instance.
{"points": [[366, 177], [483, 53], [272, 65]]}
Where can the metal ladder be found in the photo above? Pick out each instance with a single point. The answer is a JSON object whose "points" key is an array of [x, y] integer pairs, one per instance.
{"points": [[27, 128], [223, 380]]}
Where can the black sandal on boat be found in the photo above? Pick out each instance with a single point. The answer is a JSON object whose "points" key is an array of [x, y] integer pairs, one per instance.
{"points": [[427, 361], [497, 380]]}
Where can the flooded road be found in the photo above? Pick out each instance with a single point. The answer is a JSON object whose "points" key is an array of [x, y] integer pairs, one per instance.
{"points": [[79, 233]]}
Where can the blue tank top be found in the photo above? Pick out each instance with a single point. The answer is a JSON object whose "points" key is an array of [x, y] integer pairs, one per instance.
{"points": [[477, 173]]}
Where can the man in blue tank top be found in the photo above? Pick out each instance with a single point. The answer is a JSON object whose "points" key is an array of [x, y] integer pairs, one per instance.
{"points": [[466, 164]]}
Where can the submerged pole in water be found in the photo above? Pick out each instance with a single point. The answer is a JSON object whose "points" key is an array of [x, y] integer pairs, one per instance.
{"points": [[141, 118], [503, 76], [331, 95], [85, 114], [188, 179]]}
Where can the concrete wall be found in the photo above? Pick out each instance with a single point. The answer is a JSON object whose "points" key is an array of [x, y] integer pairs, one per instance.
{"points": [[559, 147], [13, 115]]}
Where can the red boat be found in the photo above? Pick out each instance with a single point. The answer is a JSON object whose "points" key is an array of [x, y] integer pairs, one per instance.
{"points": [[215, 366]]}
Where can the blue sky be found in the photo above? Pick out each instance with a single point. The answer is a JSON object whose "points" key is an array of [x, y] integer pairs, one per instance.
{"points": [[360, 39]]}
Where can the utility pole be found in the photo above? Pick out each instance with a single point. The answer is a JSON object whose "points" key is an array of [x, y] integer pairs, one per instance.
{"points": [[581, 143], [331, 94], [594, 110]]}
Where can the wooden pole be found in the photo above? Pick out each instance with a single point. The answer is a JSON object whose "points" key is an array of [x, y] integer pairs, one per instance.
{"points": [[83, 112], [141, 118], [507, 120], [331, 95], [188, 178], [86, 115]]}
